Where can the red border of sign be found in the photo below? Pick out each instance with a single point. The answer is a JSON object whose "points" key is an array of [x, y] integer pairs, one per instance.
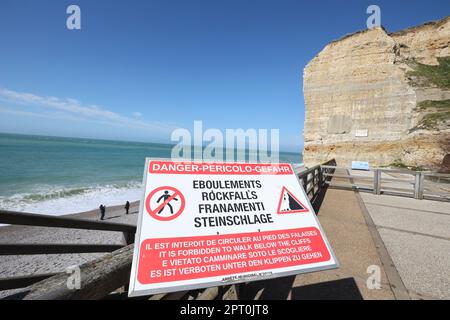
{"points": [[154, 215], [292, 211], [150, 259], [216, 168]]}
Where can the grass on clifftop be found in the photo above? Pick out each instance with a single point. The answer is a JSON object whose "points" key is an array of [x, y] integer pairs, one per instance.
{"points": [[426, 75], [400, 165], [443, 105], [436, 113], [431, 121]]}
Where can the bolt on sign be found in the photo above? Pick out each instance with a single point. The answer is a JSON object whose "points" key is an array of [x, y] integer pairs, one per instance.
{"points": [[204, 224]]}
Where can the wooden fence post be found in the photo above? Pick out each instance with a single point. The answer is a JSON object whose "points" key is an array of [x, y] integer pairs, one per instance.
{"points": [[418, 185], [377, 182]]}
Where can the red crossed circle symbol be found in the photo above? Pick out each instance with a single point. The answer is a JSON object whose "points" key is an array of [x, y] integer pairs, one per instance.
{"points": [[154, 212]]}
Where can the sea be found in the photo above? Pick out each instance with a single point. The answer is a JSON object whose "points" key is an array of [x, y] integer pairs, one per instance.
{"points": [[59, 176]]}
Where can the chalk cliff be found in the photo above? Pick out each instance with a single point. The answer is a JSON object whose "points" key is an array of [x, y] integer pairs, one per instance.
{"points": [[381, 97]]}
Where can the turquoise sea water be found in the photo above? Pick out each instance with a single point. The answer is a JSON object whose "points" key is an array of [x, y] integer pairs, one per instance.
{"points": [[54, 175]]}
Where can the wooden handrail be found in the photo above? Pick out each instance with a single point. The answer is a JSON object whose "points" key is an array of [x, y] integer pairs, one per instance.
{"points": [[29, 249], [313, 179], [415, 187], [22, 281], [98, 278], [39, 220]]}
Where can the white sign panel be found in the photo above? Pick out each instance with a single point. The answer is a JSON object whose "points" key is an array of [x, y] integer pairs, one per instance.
{"points": [[205, 224], [360, 165], [362, 133]]}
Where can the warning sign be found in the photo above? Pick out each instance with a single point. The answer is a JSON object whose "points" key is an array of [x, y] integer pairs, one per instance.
{"points": [[205, 224], [289, 203]]}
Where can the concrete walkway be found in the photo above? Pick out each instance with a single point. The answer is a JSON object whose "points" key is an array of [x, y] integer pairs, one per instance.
{"points": [[346, 228], [356, 249], [417, 236]]}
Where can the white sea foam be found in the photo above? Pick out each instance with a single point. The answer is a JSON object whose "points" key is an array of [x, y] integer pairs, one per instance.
{"points": [[68, 201], [63, 201]]}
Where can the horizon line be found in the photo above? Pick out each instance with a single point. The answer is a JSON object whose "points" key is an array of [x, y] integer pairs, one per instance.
{"points": [[119, 140]]}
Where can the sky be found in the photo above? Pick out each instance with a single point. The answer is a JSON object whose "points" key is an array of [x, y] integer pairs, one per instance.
{"points": [[137, 70]]}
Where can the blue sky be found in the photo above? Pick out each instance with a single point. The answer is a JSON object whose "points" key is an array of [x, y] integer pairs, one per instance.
{"points": [[139, 69]]}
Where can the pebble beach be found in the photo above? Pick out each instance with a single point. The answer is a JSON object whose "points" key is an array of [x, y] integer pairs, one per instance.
{"points": [[22, 265]]}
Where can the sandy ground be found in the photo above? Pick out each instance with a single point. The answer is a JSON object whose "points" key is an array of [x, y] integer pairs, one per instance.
{"points": [[13, 266]]}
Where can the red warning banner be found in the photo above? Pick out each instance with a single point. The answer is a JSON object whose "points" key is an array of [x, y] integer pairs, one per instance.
{"points": [[175, 259], [171, 167]]}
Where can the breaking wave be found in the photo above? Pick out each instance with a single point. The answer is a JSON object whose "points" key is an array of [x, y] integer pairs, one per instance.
{"points": [[60, 201]]}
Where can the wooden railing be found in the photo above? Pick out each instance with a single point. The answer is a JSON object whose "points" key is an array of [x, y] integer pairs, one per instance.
{"points": [[105, 277], [36, 220], [102, 277], [315, 179], [405, 183], [108, 277], [98, 278]]}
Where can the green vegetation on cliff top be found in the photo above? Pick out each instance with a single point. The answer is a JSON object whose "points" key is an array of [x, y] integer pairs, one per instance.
{"points": [[435, 113], [400, 165], [439, 105]]}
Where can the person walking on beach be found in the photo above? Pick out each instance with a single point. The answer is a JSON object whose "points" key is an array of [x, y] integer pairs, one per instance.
{"points": [[127, 206], [102, 212]]}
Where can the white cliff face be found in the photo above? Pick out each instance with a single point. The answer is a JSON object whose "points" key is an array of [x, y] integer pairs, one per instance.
{"points": [[361, 101]]}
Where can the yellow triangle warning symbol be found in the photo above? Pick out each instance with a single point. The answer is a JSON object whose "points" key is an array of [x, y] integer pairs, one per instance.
{"points": [[288, 203]]}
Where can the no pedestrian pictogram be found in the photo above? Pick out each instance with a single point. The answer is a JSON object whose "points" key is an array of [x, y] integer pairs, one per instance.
{"points": [[165, 203]]}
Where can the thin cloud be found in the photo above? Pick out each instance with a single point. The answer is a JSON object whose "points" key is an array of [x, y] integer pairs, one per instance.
{"points": [[56, 115], [24, 113], [87, 112]]}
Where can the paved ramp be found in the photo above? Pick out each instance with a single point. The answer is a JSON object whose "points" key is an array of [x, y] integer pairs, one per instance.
{"points": [[352, 240], [416, 234], [345, 225]]}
